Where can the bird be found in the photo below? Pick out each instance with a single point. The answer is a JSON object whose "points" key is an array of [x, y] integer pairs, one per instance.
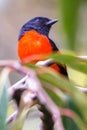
{"points": [[34, 40]]}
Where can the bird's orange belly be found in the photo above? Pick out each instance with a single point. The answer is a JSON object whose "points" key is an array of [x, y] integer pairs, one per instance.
{"points": [[32, 43]]}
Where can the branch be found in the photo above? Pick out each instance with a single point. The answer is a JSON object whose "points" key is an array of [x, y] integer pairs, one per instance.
{"points": [[82, 89], [15, 65], [30, 82]]}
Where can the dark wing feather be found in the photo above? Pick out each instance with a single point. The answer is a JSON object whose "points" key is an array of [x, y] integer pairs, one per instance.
{"points": [[62, 67], [53, 45]]}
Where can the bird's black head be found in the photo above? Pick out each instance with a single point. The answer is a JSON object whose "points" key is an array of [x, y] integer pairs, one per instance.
{"points": [[40, 24]]}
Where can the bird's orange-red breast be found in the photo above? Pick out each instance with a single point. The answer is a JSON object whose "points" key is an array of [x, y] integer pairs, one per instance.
{"points": [[33, 43], [34, 40]]}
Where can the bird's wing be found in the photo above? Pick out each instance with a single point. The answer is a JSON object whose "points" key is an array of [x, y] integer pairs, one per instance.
{"points": [[53, 45]]}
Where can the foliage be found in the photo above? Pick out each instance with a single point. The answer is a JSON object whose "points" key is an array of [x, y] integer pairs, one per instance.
{"points": [[56, 90]]}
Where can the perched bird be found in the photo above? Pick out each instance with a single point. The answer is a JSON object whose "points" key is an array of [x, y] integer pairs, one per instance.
{"points": [[34, 40]]}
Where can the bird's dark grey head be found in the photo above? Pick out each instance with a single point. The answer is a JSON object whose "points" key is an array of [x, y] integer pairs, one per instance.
{"points": [[40, 24]]}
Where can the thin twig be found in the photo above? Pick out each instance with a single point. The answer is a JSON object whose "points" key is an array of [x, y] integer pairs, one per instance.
{"points": [[15, 65]]}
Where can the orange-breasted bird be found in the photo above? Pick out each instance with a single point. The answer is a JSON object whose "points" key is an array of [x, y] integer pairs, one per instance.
{"points": [[34, 40]]}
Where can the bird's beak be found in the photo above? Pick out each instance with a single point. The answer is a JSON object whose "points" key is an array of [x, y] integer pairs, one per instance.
{"points": [[52, 21]]}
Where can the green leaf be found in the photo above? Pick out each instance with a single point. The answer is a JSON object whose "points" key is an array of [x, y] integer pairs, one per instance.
{"points": [[72, 61], [4, 78], [69, 11], [3, 108], [69, 124], [66, 86], [57, 98], [74, 123], [68, 102], [19, 122]]}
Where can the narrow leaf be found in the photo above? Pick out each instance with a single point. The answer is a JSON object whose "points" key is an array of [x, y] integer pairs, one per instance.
{"points": [[69, 11], [3, 108], [66, 86], [72, 61]]}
